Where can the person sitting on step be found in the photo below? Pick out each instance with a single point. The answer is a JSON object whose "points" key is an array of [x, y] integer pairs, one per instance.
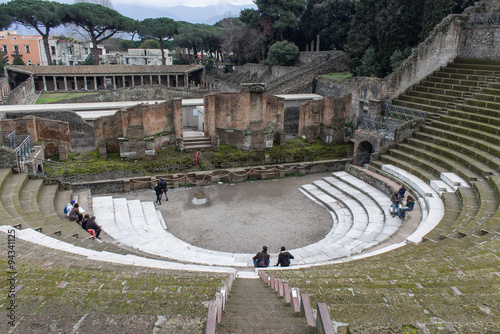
{"points": [[75, 214], [92, 225], [284, 258], [410, 203], [262, 259], [69, 207], [402, 191], [86, 218]]}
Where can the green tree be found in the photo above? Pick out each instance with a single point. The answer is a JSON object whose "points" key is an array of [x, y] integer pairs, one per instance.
{"points": [[330, 19], [18, 61], [150, 44], [161, 29], [5, 17], [101, 23], [3, 62], [88, 61], [370, 64], [434, 12], [282, 53], [39, 15], [279, 17], [250, 17]]}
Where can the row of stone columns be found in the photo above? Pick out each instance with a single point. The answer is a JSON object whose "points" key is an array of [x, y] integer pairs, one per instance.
{"points": [[115, 80]]}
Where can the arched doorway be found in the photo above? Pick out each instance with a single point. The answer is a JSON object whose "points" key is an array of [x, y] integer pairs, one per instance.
{"points": [[364, 152]]}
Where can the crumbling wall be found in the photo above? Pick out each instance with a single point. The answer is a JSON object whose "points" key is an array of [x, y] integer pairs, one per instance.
{"points": [[22, 94], [325, 119], [139, 131], [248, 120], [54, 134]]}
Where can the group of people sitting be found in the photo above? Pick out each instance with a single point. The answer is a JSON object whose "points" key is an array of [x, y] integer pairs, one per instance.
{"points": [[397, 203], [262, 259], [75, 213]]}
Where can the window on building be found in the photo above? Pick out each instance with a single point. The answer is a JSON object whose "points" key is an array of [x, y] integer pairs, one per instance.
{"points": [[53, 50], [28, 49], [29, 62], [71, 63], [16, 49], [126, 61], [70, 50], [145, 61], [4, 48], [86, 51]]}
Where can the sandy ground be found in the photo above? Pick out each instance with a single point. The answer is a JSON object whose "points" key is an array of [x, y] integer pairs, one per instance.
{"points": [[243, 217]]}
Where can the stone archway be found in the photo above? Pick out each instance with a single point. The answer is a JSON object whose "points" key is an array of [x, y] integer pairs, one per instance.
{"points": [[364, 152]]}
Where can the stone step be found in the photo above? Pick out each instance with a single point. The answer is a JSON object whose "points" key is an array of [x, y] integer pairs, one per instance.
{"points": [[485, 136], [476, 117], [469, 71], [438, 91], [424, 101], [454, 181], [461, 76], [472, 152], [451, 158], [475, 64], [453, 81], [47, 198], [430, 198], [447, 86], [11, 193], [472, 141], [417, 106], [405, 158]]}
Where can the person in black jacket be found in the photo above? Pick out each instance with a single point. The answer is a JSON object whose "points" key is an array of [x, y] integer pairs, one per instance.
{"points": [[158, 191], [284, 258], [164, 187], [92, 225]]}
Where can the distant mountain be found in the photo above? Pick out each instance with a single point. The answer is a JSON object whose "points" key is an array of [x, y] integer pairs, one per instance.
{"points": [[207, 15]]}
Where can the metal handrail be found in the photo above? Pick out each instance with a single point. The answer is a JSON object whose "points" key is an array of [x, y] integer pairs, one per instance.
{"points": [[485, 19], [382, 129], [10, 138], [402, 112]]}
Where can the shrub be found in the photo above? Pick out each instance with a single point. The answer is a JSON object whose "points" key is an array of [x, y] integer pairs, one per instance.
{"points": [[283, 53]]}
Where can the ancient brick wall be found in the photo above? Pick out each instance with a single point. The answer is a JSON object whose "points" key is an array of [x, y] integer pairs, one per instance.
{"points": [[324, 118], [140, 130], [8, 158], [4, 87], [54, 134], [22, 94], [247, 120], [487, 36]]}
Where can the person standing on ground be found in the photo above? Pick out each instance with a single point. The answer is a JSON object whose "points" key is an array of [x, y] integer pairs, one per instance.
{"points": [[164, 187], [284, 258], [314, 85], [395, 199], [159, 192], [262, 259]]}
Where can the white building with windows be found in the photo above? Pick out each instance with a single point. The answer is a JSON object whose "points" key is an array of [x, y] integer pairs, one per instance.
{"points": [[69, 52], [143, 57]]}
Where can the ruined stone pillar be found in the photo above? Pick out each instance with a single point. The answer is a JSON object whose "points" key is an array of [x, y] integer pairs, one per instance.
{"points": [[76, 83], [317, 43], [186, 82], [44, 83], [312, 45], [95, 83], [65, 84], [159, 79], [55, 83], [177, 106], [85, 83], [123, 83], [151, 79], [168, 80], [114, 81], [133, 80]]}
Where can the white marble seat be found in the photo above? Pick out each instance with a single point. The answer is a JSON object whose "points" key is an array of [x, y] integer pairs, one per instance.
{"points": [[430, 201]]}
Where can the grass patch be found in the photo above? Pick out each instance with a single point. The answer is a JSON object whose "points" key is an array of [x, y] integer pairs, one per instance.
{"points": [[53, 97], [339, 77], [169, 160]]}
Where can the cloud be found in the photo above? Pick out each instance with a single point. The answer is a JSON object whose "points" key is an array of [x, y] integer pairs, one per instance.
{"points": [[188, 3]]}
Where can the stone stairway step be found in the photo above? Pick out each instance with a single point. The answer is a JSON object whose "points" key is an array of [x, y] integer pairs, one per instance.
{"points": [[453, 81], [445, 154], [453, 180], [483, 157], [472, 141], [46, 199], [479, 118], [423, 101], [462, 76], [489, 137], [406, 159], [253, 308], [452, 214], [439, 91], [490, 127], [469, 71], [11, 192], [447, 86]]}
